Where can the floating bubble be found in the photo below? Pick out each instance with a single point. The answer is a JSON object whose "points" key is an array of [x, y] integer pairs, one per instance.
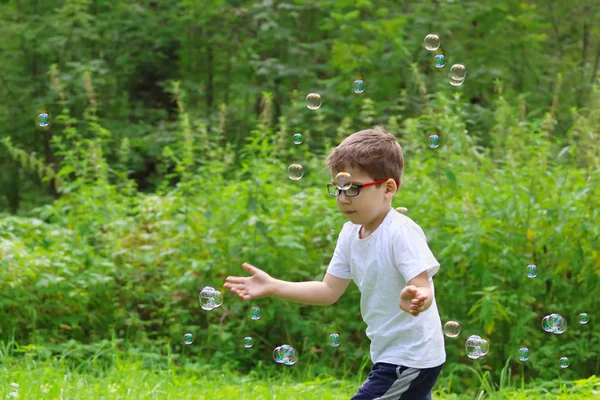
{"points": [[432, 42], [458, 72], [554, 323], [454, 82], [255, 313], [248, 342], [583, 318], [531, 271], [402, 210], [451, 329], [43, 120], [334, 340], [188, 338], [313, 101], [434, 141], [297, 138], [343, 181], [439, 61], [563, 362], [476, 347], [285, 354], [358, 86], [524, 354], [333, 231], [210, 298], [560, 326], [295, 172]]}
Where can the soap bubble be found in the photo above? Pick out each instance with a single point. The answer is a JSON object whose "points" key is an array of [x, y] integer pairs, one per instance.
{"points": [[313, 101], [563, 362], [451, 329], [523, 354], [297, 138], [554, 323], [43, 120], [210, 298], [531, 271], [358, 86], [583, 318], [334, 340], [188, 338], [402, 210], [248, 342], [343, 181], [434, 141], [458, 72], [295, 172], [255, 313], [432, 42], [476, 347], [285, 354], [439, 61]]}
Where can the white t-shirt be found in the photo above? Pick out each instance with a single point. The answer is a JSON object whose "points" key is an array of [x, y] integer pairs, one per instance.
{"points": [[381, 265]]}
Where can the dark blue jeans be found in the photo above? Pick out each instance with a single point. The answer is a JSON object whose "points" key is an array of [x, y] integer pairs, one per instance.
{"points": [[397, 382]]}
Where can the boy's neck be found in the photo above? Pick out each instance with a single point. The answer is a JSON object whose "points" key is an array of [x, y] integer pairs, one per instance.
{"points": [[367, 229]]}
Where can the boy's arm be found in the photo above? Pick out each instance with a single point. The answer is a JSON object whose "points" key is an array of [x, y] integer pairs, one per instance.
{"points": [[315, 293], [261, 284], [417, 295]]}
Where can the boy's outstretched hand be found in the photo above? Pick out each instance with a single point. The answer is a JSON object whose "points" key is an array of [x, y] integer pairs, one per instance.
{"points": [[258, 285], [415, 299]]}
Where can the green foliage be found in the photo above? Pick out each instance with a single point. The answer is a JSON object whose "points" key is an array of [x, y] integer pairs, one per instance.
{"points": [[164, 168]]}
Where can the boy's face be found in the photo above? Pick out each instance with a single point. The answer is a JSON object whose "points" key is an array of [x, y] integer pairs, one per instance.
{"points": [[372, 201]]}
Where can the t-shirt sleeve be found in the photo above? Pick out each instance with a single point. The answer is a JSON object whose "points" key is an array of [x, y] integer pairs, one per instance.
{"points": [[412, 254], [339, 265]]}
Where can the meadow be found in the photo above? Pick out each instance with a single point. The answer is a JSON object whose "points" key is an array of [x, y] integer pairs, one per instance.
{"points": [[163, 167]]}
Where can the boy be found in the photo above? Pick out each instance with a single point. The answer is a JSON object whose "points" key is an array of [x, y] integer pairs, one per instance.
{"points": [[387, 256]]}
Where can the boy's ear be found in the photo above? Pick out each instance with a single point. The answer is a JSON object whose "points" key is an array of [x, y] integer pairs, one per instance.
{"points": [[390, 186]]}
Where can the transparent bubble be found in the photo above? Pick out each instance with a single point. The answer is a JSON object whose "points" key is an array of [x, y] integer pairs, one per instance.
{"points": [[297, 138], [476, 347], [451, 329], [248, 342], [313, 101], [334, 340], [333, 231], [523, 354], [255, 313], [295, 172], [358, 86], [484, 347], [43, 120], [583, 318], [188, 338], [285, 354], [343, 180], [472, 346], [439, 61], [458, 72], [210, 298], [531, 271], [560, 326], [454, 82], [434, 141], [432, 42], [563, 362], [402, 210]]}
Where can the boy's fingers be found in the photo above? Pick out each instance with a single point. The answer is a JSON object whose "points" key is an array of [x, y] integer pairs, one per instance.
{"points": [[250, 268], [235, 279]]}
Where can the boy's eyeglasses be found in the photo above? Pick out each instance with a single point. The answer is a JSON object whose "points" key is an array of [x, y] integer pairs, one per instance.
{"points": [[353, 190]]}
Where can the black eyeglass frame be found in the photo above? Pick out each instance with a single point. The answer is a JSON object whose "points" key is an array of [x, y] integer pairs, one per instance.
{"points": [[357, 186]]}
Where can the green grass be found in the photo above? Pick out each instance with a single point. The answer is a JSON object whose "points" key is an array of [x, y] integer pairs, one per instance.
{"points": [[123, 378]]}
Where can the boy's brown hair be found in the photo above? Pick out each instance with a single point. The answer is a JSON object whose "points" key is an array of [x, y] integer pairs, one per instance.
{"points": [[374, 151]]}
